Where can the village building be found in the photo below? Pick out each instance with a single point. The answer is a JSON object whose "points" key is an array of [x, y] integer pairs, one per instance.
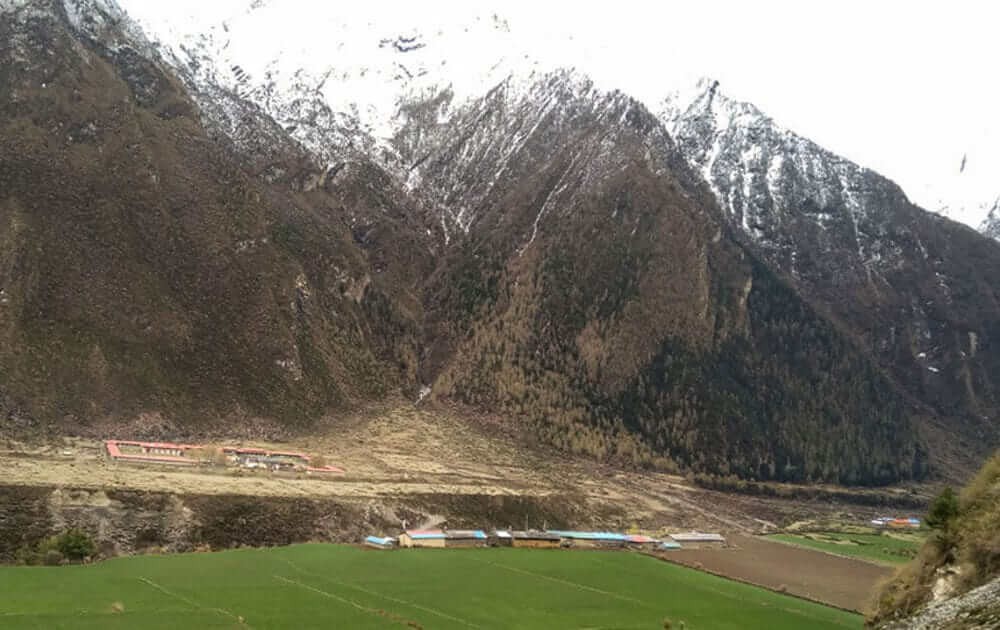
{"points": [[501, 538], [535, 539], [639, 541], [464, 538], [698, 539], [589, 540], [150, 452], [422, 538], [380, 543]]}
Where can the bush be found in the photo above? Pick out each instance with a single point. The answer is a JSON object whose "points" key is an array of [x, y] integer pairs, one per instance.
{"points": [[53, 558], [75, 545], [943, 510]]}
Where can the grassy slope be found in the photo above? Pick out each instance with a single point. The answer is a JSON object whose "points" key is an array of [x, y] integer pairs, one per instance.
{"points": [[881, 548], [970, 544], [336, 586]]}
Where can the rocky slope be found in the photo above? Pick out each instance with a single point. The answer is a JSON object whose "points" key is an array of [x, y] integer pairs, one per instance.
{"points": [[914, 289], [146, 271]]}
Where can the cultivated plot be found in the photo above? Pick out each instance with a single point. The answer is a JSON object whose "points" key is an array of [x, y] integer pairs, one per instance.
{"points": [[331, 586]]}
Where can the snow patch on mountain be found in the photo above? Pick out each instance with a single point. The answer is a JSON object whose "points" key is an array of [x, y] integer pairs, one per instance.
{"points": [[343, 82], [772, 182], [991, 224]]}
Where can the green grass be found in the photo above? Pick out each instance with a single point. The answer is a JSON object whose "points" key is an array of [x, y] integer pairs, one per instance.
{"points": [[885, 548], [330, 586]]}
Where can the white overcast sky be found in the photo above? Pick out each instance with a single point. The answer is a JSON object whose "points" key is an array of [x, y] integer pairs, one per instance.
{"points": [[904, 87]]}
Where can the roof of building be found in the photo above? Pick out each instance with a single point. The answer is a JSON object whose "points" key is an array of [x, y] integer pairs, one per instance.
{"points": [[502, 533], [670, 544], [639, 538], [424, 534], [377, 540], [697, 537], [535, 535], [463, 534], [608, 536]]}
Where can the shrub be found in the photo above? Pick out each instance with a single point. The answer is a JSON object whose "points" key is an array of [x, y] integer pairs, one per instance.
{"points": [[75, 545], [943, 510]]}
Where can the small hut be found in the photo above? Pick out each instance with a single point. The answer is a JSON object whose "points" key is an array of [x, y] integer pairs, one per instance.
{"points": [[380, 543], [501, 538], [639, 541]]}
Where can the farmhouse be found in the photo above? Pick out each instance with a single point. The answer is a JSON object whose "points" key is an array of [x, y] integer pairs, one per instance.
{"points": [[638, 541], [422, 538], [501, 538], [698, 538], [590, 539], [535, 539], [465, 538], [247, 457], [151, 452]]}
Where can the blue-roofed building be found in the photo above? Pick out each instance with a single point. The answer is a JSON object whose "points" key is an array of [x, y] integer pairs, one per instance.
{"points": [[465, 538], [380, 543], [591, 539], [422, 538]]}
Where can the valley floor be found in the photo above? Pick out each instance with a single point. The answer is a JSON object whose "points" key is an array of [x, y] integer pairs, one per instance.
{"points": [[330, 586], [401, 450], [429, 468]]}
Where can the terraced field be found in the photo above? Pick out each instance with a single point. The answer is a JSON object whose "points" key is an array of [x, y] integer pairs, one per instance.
{"points": [[329, 586]]}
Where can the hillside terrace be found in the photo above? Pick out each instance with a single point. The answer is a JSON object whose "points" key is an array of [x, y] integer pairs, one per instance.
{"points": [[193, 455]]}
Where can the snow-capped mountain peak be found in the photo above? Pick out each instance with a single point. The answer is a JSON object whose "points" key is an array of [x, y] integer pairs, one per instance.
{"points": [[335, 79], [765, 175]]}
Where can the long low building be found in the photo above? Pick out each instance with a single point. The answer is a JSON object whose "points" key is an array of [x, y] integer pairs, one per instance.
{"points": [[422, 538], [465, 538], [591, 539], [438, 538], [698, 537], [535, 539]]}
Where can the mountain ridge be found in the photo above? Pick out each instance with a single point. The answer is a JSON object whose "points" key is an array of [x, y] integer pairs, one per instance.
{"points": [[547, 250]]}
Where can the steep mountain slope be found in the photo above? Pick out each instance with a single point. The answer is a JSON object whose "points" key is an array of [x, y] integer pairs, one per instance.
{"points": [[597, 294], [143, 271], [918, 291]]}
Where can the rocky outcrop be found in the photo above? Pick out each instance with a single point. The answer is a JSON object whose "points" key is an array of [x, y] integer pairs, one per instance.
{"points": [[979, 609], [128, 521]]}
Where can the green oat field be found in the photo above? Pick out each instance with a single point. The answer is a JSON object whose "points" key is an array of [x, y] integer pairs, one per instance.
{"points": [[889, 548], [332, 586]]}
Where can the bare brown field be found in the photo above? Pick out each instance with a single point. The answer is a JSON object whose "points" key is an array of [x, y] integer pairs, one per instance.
{"points": [[822, 577]]}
